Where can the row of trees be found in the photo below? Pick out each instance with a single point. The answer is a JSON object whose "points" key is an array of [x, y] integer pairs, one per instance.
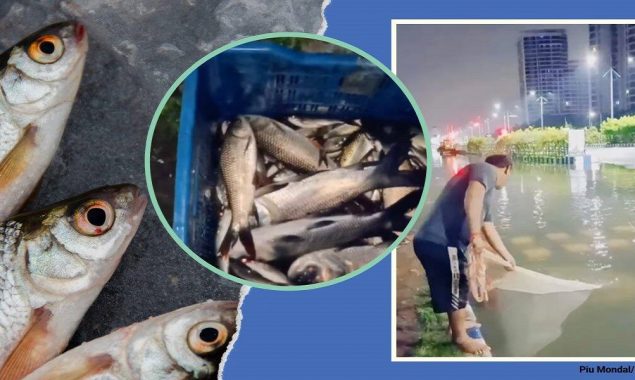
{"points": [[553, 140]]}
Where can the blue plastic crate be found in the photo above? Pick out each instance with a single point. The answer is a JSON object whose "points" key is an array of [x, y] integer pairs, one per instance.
{"points": [[266, 79]]}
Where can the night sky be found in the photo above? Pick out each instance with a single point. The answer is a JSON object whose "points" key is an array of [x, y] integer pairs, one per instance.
{"points": [[457, 72]]}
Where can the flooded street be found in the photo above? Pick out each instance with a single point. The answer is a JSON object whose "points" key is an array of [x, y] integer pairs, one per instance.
{"points": [[570, 223]]}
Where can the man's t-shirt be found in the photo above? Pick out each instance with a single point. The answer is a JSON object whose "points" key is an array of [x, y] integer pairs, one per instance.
{"points": [[447, 222]]}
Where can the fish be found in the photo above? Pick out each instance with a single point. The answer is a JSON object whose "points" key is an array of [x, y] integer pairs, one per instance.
{"points": [[238, 157], [285, 144], [392, 195], [258, 271], [326, 265], [39, 78], [310, 123], [187, 343], [328, 190], [355, 151], [342, 130], [287, 241], [53, 264]]}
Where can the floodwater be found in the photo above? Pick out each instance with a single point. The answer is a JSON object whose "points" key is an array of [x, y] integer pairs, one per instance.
{"points": [[573, 223]]}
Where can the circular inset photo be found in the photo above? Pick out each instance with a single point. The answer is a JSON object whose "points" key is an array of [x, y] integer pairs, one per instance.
{"points": [[287, 161]]}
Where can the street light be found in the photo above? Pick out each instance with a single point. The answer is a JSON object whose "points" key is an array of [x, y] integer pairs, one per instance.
{"points": [[542, 100], [630, 59], [497, 106], [532, 93], [610, 72]]}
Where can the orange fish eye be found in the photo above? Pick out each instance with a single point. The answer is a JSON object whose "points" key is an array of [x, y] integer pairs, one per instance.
{"points": [[205, 337], [46, 49], [94, 218]]}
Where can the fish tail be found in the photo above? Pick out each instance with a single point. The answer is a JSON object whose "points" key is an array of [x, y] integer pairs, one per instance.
{"points": [[395, 215], [223, 252], [323, 158], [389, 165], [248, 242]]}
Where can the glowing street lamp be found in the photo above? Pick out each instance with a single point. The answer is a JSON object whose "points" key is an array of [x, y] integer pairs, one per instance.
{"points": [[630, 59], [532, 93], [497, 106]]}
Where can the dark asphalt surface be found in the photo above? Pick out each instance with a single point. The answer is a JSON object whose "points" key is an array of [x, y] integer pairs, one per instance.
{"points": [[137, 49]]}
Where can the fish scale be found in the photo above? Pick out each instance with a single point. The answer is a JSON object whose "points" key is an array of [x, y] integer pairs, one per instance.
{"points": [[15, 310], [53, 263], [285, 144]]}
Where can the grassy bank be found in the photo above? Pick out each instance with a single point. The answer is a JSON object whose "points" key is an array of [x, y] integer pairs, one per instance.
{"points": [[435, 340]]}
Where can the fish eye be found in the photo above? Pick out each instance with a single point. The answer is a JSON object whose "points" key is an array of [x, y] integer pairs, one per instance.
{"points": [[46, 49], [93, 218], [205, 337]]}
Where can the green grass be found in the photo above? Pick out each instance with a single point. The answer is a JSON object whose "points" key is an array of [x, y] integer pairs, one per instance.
{"points": [[435, 340]]}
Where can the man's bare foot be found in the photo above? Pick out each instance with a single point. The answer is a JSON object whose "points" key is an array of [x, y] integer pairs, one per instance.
{"points": [[471, 346]]}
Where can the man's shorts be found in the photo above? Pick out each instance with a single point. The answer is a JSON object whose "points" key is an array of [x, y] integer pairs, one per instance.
{"points": [[446, 270]]}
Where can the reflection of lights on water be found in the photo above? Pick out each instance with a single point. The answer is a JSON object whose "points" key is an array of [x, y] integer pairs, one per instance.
{"points": [[502, 211], [539, 203]]}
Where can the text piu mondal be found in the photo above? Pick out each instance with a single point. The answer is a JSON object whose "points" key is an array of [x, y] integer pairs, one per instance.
{"points": [[607, 369]]}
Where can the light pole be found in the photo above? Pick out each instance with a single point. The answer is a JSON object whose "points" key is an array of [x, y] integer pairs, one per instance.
{"points": [[610, 72], [542, 100]]}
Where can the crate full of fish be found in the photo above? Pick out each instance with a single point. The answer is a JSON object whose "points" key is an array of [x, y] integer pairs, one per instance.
{"points": [[294, 168]]}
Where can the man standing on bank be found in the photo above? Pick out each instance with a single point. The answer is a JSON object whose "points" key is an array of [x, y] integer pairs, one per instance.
{"points": [[461, 216]]}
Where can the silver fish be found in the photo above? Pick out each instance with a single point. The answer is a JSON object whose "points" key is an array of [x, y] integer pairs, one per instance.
{"points": [[238, 158], [328, 264], [53, 264], [325, 191], [305, 122], [342, 130], [184, 344], [39, 78], [285, 144], [292, 239], [356, 150], [257, 271]]}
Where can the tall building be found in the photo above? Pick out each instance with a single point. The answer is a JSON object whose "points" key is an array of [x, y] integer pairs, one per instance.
{"points": [[614, 47], [575, 92], [543, 65]]}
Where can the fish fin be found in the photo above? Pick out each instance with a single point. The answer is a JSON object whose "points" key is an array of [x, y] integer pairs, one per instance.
{"points": [[228, 242], [18, 158], [250, 140], [248, 242], [390, 164], [223, 263], [33, 350], [320, 224], [78, 370], [395, 217], [323, 158], [254, 211], [257, 271]]}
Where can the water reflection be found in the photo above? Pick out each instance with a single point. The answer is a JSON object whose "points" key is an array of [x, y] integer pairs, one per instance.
{"points": [[575, 223]]}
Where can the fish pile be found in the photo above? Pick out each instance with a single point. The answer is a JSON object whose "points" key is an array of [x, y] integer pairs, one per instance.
{"points": [[304, 201], [54, 262]]}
